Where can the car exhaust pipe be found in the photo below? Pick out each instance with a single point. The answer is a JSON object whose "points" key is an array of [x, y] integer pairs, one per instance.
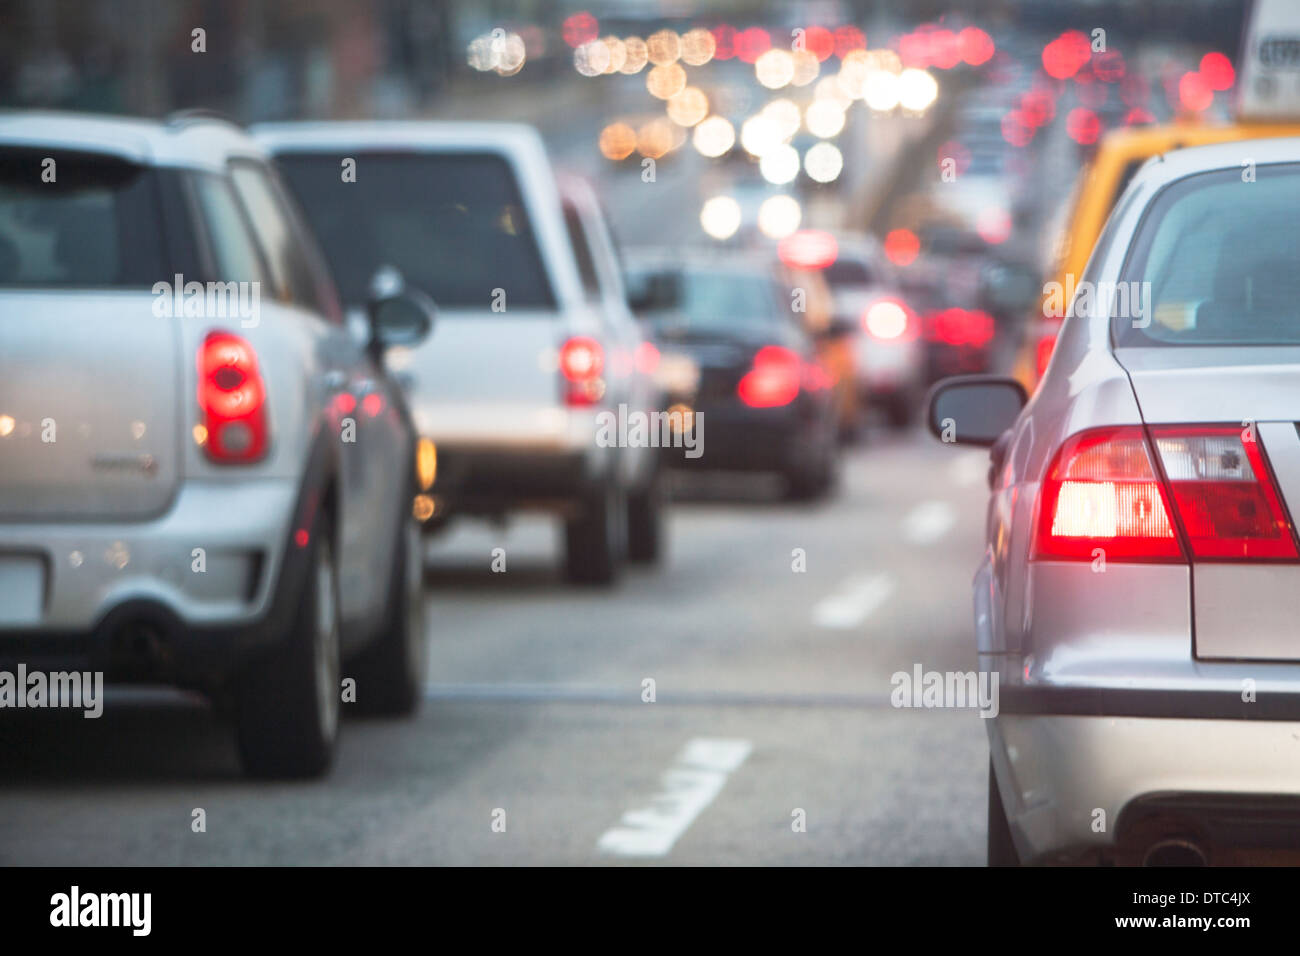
{"points": [[1177, 851]]}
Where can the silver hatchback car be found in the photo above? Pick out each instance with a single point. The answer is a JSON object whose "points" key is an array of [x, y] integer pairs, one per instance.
{"points": [[1140, 589], [205, 480]]}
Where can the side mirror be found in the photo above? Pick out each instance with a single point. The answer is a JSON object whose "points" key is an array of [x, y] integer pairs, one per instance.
{"points": [[398, 315], [974, 409]]}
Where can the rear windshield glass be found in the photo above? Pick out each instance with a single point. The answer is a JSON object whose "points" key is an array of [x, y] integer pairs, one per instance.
{"points": [[849, 272], [80, 220], [700, 299], [453, 224], [1216, 262]]}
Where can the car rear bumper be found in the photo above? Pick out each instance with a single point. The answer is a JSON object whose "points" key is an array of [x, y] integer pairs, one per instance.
{"points": [[1109, 788], [736, 437], [191, 584]]}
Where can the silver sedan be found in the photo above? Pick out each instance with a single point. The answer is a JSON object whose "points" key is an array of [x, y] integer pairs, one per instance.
{"points": [[1140, 587]]}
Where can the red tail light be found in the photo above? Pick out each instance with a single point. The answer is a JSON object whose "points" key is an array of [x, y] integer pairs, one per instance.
{"points": [[1103, 492], [582, 360], [1225, 494], [232, 399], [774, 379]]}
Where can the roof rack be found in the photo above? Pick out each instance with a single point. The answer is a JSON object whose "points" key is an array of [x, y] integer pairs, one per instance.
{"points": [[198, 114]]}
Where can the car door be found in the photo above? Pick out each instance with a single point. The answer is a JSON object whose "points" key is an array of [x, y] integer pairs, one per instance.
{"points": [[356, 400]]}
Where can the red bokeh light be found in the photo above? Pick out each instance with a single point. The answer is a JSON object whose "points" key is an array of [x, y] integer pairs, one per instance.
{"points": [[580, 28], [724, 41], [1217, 71], [819, 42], [945, 51], [976, 46], [1194, 93], [1037, 107], [902, 247], [1138, 116], [1083, 126], [1066, 55], [848, 39], [751, 43]]}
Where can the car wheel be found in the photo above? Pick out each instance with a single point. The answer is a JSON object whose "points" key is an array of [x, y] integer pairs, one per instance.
{"points": [[594, 539], [390, 672], [814, 481], [287, 701], [645, 522], [1002, 849]]}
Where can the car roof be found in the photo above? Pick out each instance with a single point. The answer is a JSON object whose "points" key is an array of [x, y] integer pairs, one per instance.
{"points": [[1139, 141], [185, 139], [370, 135], [1179, 163]]}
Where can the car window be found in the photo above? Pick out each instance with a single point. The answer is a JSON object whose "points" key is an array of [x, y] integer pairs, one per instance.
{"points": [[234, 251], [454, 224], [706, 299], [291, 275], [95, 223], [849, 272], [1217, 258], [582, 252]]}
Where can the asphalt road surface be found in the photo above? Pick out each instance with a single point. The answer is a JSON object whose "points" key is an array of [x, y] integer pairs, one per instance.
{"points": [[770, 740]]}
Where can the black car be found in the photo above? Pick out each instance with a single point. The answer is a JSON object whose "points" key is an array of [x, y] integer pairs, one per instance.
{"points": [[734, 354]]}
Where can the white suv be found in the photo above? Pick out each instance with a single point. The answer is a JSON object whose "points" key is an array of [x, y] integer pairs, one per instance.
{"points": [[205, 480], [535, 338]]}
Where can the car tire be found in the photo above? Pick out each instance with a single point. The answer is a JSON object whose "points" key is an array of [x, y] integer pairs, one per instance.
{"points": [[645, 521], [815, 481], [390, 671], [595, 538], [287, 701], [1001, 848]]}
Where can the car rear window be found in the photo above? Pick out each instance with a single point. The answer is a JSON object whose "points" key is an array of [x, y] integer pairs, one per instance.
{"points": [[1216, 261], [453, 224], [698, 299], [83, 220]]}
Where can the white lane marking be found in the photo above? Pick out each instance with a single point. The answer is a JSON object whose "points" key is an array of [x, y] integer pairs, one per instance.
{"points": [[969, 468], [854, 603], [689, 786], [929, 521]]}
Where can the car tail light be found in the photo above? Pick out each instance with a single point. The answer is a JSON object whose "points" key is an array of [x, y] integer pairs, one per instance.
{"points": [[1225, 494], [232, 399], [773, 380], [888, 320], [582, 360], [1101, 492]]}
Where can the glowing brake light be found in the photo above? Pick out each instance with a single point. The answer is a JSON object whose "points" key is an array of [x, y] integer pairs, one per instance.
{"points": [[774, 379], [1103, 494], [232, 399], [582, 360], [1043, 352], [886, 319]]}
